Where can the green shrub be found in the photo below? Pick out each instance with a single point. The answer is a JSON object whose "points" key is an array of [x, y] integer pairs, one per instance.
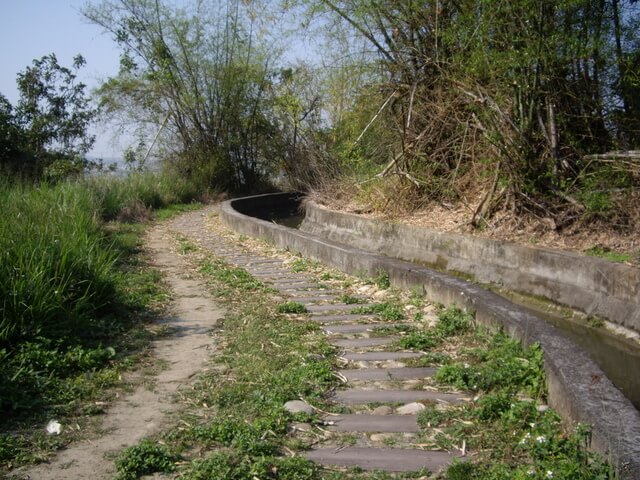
{"points": [[291, 307], [382, 280], [229, 466], [145, 458], [453, 321]]}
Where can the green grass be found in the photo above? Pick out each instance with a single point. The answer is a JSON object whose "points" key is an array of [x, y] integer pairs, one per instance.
{"points": [[389, 311], [291, 307], [511, 437], [608, 254], [76, 293], [145, 458]]}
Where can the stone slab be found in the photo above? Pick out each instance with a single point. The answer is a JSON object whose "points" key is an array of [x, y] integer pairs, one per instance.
{"points": [[313, 300], [357, 397], [379, 356], [387, 459], [335, 307], [342, 318], [404, 373], [358, 327], [249, 261], [308, 291], [362, 342], [373, 423]]}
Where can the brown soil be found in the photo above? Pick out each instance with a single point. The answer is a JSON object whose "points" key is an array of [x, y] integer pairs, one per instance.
{"points": [[143, 412], [525, 230]]}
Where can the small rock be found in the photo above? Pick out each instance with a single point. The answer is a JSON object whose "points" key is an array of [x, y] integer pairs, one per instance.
{"points": [[301, 427], [298, 406], [409, 308], [410, 408], [380, 294], [382, 410], [542, 408], [379, 437]]}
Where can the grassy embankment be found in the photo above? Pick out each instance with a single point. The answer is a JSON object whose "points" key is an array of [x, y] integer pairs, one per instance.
{"points": [[235, 427], [74, 294]]}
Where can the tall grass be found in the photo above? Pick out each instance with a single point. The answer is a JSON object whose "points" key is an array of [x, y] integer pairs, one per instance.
{"points": [[139, 193], [55, 268], [62, 285]]}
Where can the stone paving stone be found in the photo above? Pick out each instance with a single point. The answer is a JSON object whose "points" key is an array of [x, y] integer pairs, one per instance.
{"points": [[275, 272], [336, 307], [315, 299], [375, 356], [277, 279], [404, 373], [307, 291], [362, 342], [373, 423], [357, 396], [249, 261], [387, 459], [344, 318], [358, 327], [293, 283]]}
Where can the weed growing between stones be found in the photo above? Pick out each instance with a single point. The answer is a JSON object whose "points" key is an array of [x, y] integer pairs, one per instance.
{"points": [[508, 427], [388, 311], [349, 299], [291, 307]]}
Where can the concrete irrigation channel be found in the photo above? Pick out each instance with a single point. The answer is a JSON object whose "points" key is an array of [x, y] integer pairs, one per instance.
{"points": [[579, 390]]}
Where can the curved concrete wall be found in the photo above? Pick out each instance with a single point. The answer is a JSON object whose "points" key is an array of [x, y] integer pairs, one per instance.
{"points": [[578, 389], [591, 285]]}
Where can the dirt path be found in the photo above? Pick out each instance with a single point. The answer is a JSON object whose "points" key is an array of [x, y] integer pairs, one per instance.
{"points": [[192, 315]]}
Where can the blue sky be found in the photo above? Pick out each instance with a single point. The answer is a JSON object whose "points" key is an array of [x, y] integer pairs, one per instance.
{"points": [[30, 29]]}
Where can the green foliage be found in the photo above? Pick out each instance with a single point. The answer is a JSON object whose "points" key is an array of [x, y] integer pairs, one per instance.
{"points": [[145, 458], [231, 278], [291, 307], [432, 417], [234, 467], [56, 267], [419, 341], [453, 321], [72, 290], [199, 70], [47, 134], [505, 364], [349, 299], [134, 197], [382, 280], [388, 311], [608, 254]]}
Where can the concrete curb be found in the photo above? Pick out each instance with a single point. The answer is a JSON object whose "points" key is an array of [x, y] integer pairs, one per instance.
{"points": [[591, 285], [578, 389]]}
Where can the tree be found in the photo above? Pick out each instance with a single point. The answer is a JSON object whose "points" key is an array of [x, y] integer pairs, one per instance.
{"points": [[46, 134], [502, 98], [200, 70]]}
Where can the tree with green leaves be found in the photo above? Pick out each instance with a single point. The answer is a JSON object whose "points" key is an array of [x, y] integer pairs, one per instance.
{"points": [[200, 71], [509, 99], [47, 132]]}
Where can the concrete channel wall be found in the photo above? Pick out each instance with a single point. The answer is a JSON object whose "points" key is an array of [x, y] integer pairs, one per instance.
{"points": [[578, 389], [591, 285]]}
